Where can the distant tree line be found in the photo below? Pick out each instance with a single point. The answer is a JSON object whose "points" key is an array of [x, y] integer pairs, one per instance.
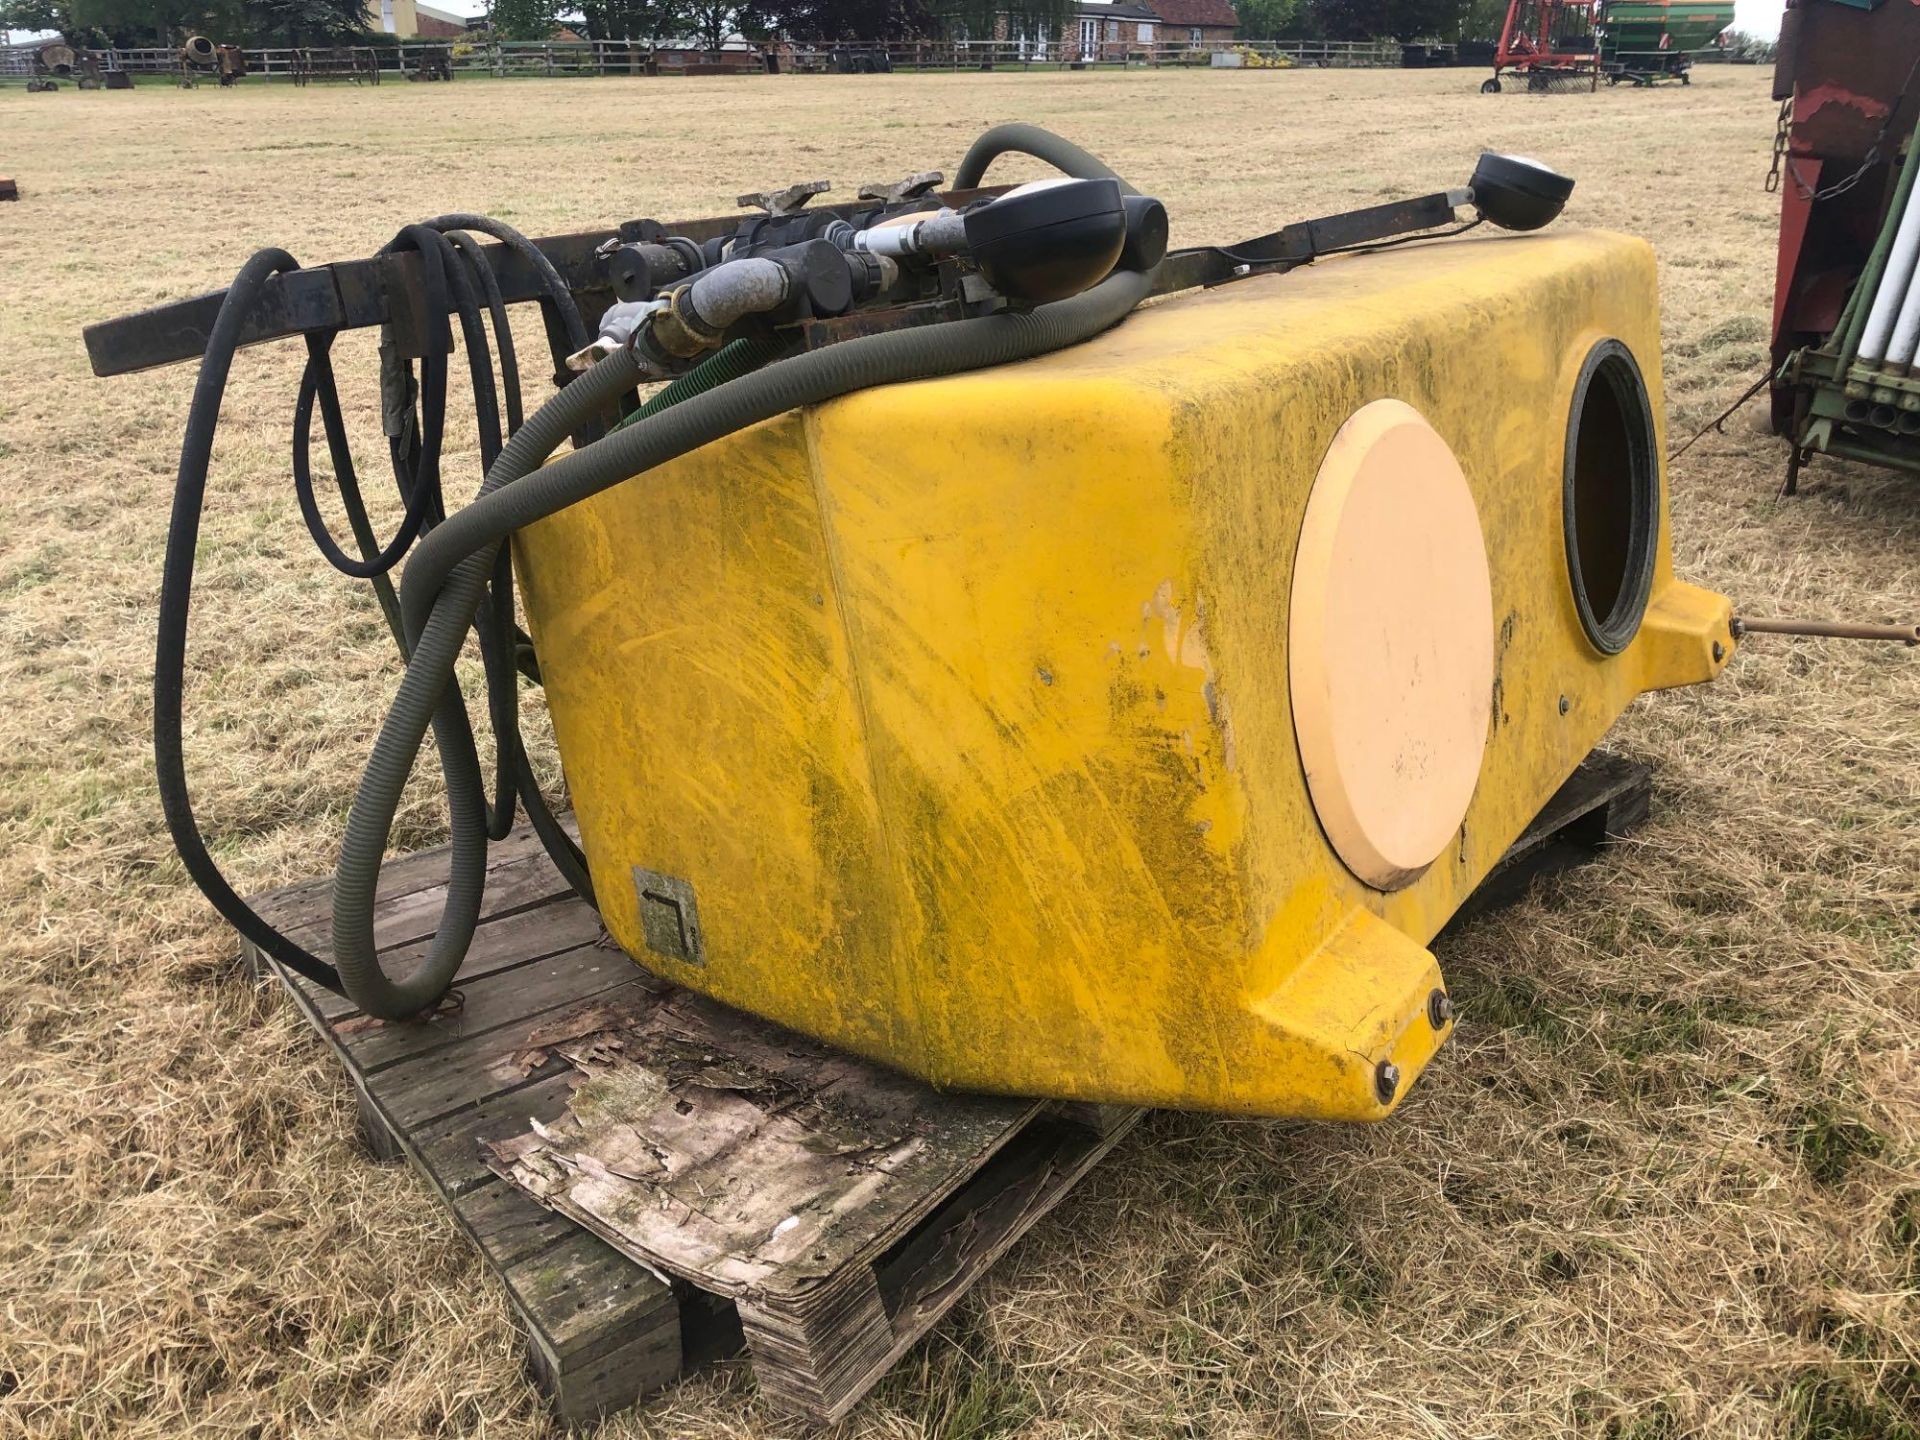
{"points": [[710, 23], [1740, 45], [135, 23], [1444, 20]]}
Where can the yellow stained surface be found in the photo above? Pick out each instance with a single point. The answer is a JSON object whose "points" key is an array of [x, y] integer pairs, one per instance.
{"points": [[962, 705]]}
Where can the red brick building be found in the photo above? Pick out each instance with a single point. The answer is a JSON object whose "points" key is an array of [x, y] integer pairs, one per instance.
{"points": [[1196, 22], [439, 24]]}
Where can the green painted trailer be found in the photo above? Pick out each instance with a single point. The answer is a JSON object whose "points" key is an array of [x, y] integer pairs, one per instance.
{"points": [[1647, 40]]}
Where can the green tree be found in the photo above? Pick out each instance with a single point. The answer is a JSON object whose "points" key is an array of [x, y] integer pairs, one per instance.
{"points": [[1750, 49], [1271, 19], [709, 22], [98, 23], [304, 22], [1482, 19], [523, 19], [1389, 19], [978, 18], [648, 21], [814, 20]]}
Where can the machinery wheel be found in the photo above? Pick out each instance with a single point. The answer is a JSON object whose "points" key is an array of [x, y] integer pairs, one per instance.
{"points": [[1490, 87], [1685, 79]]}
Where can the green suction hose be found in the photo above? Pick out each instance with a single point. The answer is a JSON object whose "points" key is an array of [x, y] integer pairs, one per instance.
{"points": [[729, 362]]}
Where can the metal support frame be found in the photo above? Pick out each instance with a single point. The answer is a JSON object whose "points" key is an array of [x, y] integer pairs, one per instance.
{"points": [[388, 289]]}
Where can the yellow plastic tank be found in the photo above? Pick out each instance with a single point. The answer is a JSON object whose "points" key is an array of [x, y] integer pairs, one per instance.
{"points": [[1122, 725]]}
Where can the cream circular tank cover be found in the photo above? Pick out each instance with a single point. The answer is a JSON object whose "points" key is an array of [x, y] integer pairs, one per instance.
{"points": [[1390, 644]]}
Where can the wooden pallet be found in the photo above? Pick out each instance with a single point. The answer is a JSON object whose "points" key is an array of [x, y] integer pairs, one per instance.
{"points": [[901, 1198]]}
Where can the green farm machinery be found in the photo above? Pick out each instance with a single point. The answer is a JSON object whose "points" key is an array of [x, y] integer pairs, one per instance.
{"points": [[1646, 41], [1574, 44]]}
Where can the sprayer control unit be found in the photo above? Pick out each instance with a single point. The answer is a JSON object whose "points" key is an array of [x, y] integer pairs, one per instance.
{"points": [[1113, 714]]}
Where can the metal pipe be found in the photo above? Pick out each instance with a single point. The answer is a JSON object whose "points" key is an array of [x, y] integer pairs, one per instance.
{"points": [[1869, 285], [943, 232], [1832, 629], [1906, 328], [1891, 293]]}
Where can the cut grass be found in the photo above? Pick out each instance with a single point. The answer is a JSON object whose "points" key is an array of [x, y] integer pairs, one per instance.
{"points": [[1677, 1119]]}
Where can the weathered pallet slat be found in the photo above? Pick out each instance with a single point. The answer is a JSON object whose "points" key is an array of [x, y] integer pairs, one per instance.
{"points": [[899, 1198]]}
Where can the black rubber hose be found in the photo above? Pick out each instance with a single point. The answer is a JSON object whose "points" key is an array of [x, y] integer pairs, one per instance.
{"points": [[450, 569], [449, 286], [319, 344], [176, 598], [317, 381], [1017, 139], [559, 298], [497, 313]]}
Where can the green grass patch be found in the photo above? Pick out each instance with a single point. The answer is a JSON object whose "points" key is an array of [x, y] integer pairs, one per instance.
{"points": [[1825, 1407], [956, 1388], [1507, 1002], [1903, 1234], [1831, 1141]]}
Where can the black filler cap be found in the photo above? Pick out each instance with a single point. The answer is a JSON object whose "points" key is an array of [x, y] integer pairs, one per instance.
{"points": [[1516, 193], [1051, 242]]}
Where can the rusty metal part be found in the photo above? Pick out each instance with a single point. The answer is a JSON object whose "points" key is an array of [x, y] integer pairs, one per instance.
{"points": [[387, 289], [901, 191], [676, 331], [1386, 1081], [815, 334], [789, 201], [1832, 629]]}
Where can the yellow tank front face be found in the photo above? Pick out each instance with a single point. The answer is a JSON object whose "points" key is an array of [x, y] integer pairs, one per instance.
{"points": [[951, 723]]}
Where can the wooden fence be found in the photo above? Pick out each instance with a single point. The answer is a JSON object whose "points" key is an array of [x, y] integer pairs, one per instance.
{"points": [[370, 63]]}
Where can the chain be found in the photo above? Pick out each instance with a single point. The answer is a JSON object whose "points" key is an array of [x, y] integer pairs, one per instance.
{"points": [[1841, 186], [1780, 131]]}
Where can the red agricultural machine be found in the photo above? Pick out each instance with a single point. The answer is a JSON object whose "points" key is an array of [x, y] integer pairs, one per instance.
{"points": [[1846, 314], [1551, 43]]}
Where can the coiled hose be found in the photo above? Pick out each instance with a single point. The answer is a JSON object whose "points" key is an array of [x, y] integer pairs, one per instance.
{"points": [[449, 571], [456, 280], [460, 577]]}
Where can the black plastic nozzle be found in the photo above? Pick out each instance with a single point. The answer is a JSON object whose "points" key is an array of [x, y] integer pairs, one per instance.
{"points": [[1516, 193], [1049, 242]]}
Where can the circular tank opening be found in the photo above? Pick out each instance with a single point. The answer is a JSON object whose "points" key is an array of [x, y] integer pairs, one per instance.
{"points": [[1612, 497]]}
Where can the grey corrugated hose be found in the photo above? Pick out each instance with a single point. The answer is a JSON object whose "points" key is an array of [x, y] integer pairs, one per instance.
{"points": [[1017, 139]]}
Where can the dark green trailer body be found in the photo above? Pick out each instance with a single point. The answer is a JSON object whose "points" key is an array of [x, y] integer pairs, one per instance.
{"points": [[1647, 40]]}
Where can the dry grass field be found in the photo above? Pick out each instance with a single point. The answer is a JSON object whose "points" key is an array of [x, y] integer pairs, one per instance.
{"points": [[1664, 1183]]}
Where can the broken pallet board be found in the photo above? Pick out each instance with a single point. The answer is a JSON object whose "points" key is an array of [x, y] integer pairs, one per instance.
{"points": [[841, 1205], [541, 979], [970, 1174]]}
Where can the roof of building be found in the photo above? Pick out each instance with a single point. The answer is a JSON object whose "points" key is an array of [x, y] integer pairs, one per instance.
{"points": [[445, 17], [1196, 12], [1115, 10]]}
